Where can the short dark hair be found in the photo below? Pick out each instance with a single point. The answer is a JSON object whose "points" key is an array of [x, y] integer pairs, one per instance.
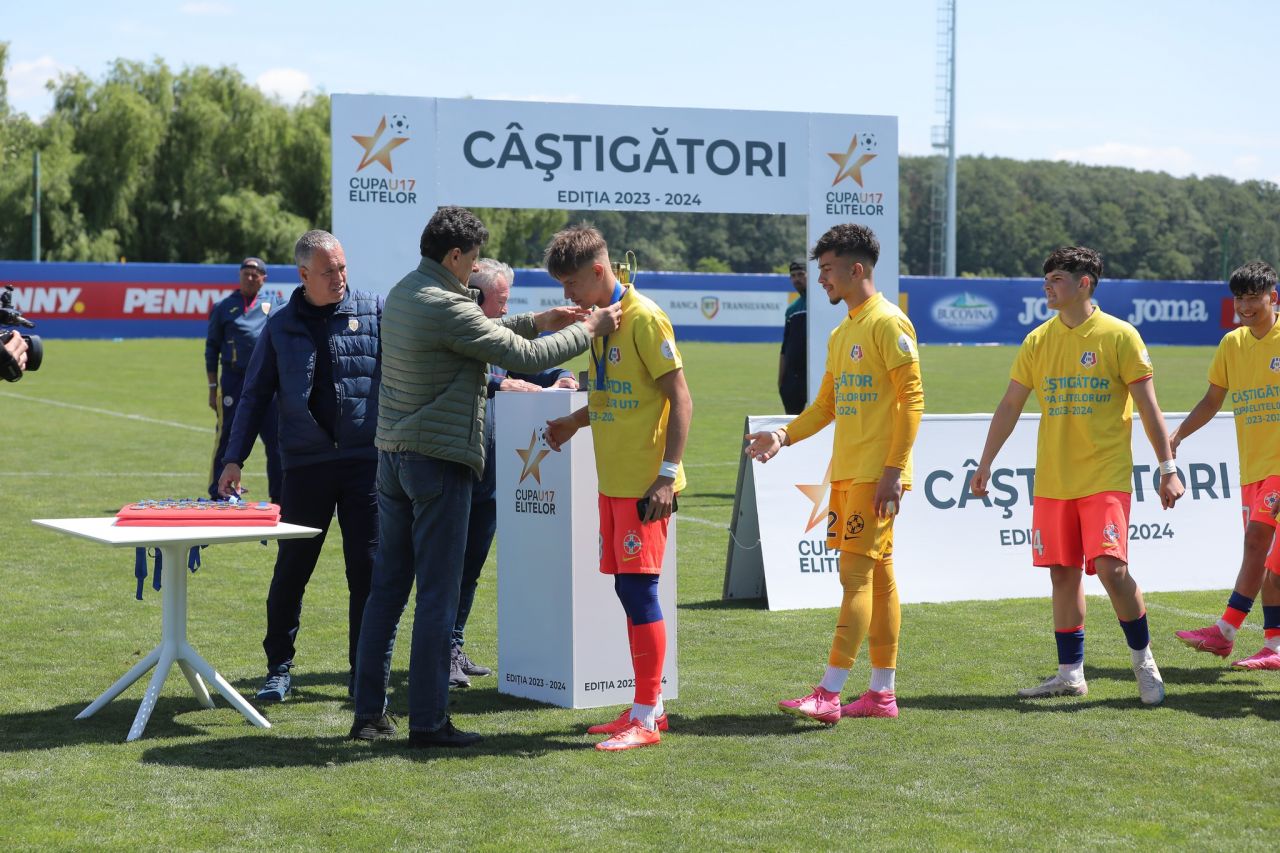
{"points": [[452, 228], [1077, 260], [858, 241], [573, 248], [1252, 278]]}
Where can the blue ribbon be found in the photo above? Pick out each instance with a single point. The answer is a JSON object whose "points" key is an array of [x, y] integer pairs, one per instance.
{"points": [[600, 362], [140, 569]]}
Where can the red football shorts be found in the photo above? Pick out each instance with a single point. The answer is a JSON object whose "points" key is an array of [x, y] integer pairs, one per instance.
{"points": [[1078, 531], [628, 547], [1258, 501], [852, 523]]}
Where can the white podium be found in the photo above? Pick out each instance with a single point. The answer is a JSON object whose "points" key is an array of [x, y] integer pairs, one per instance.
{"points": [[174, 544], [562, 636]]}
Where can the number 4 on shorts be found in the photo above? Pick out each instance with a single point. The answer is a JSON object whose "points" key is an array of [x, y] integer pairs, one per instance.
{"points": [[1036, 542]]}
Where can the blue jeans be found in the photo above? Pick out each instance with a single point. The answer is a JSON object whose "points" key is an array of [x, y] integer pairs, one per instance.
{"points": [[423, 507]]}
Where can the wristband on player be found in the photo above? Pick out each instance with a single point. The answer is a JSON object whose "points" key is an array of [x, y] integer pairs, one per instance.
{"points": [[668, 469], [1168, 467], [783, 437], [213, 385]]}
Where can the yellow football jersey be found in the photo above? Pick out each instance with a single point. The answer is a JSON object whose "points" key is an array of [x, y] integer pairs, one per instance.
{"points": [[874, 340], [1249, 369], [1081, 377], [629, 419]]}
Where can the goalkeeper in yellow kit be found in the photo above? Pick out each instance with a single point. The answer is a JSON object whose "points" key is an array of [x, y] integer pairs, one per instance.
{"points": [[872, 390]]}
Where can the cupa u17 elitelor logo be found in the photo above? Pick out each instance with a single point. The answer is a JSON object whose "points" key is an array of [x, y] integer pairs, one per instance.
{"points": [[817, 493], [849, 164], [531, 458], [376, 150]]}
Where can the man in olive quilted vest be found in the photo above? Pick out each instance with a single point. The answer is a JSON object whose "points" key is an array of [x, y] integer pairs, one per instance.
{"points": [[437, 345]]}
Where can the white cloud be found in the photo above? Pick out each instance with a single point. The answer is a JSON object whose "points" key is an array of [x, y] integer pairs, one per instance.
{"points": [[287, 84], [206, 9], [27, 79], [1171, 159]]}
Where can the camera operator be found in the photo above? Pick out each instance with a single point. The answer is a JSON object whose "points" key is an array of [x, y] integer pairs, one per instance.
{"points": [[14, 352]]}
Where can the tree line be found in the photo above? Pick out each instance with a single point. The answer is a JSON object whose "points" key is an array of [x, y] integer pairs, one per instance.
{"points": [[198, 165]]}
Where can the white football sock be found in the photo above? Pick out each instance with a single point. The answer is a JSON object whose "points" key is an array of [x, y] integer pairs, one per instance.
{"points": [[1140, 656], [1228, 630], [1072, 672], [659, 709], [644, 715], [834, 678], [1272, 643], [882, 679]]}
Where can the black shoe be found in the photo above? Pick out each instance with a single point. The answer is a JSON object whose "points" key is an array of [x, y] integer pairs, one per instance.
{"points": [[468, 666], [445, 736], [457, 677], [382, 728]]}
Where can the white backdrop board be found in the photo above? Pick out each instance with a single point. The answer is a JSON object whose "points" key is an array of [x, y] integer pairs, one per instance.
{"points": [[951, 546], [562, 633], [396, 159]]}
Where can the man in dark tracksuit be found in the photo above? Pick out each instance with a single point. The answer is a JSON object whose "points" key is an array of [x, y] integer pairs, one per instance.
{"points": [[234, 326], [793, 360], [320, 356]]}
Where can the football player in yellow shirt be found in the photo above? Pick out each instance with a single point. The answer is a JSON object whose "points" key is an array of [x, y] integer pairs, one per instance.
{"points": [[1247, 365], [638, 409], [1085, 366], [872, 390]]}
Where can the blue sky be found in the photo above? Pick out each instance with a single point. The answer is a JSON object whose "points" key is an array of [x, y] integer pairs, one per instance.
{"points": [[1182, 87]]}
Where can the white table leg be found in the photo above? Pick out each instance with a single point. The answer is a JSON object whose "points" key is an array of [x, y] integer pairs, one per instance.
{"points": [[220, 684], [138, 670], [197, 686], [167, 656]]}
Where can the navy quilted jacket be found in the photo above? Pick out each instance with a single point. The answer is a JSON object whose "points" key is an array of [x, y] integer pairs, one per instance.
{"points": [[284, 365]]}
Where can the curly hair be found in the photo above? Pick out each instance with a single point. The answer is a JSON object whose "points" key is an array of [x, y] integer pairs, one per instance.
{"points": [[1254, 277], [452, 228], [849, 239]]}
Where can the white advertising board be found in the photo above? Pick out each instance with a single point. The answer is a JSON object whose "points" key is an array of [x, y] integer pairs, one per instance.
{"points": [[562, 634], [395, 159], [951, 546]]}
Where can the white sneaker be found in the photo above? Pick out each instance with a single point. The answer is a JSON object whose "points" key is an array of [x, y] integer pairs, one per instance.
{"points": [[1056, 686], [1150, 684]]}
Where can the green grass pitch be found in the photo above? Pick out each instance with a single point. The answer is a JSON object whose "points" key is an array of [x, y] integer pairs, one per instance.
{"points": [[966, 766]]}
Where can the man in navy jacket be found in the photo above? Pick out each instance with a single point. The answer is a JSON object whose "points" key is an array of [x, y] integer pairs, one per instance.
{"points": [[320, 357]]}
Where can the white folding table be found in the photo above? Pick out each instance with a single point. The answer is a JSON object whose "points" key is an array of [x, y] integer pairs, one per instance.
{"points": [[174, 543]]}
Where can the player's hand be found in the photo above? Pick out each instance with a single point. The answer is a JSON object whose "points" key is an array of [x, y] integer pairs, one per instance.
{"points": [[763, 446], [1174, 441], [981, 477], [566, 382], [558, 432], [888, 496], [560, 317], [660, 497], [213, 399], [604, 320], [1171, 489], [510, 384], [229, 482]]}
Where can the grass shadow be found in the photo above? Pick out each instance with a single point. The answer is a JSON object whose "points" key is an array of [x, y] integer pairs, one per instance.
{"points": [[726, 604], [55, 728], [252, 752]]}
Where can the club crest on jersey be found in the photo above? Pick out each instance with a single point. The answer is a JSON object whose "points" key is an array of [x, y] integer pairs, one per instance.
{"points": [[668, 350], [1089, 359], [615, 355], [1275, 364], [631, 543], [904, 343], [266, 308], [353, 324], [1271, 500], [1110, 536], [856, 352], [853, 526]]}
